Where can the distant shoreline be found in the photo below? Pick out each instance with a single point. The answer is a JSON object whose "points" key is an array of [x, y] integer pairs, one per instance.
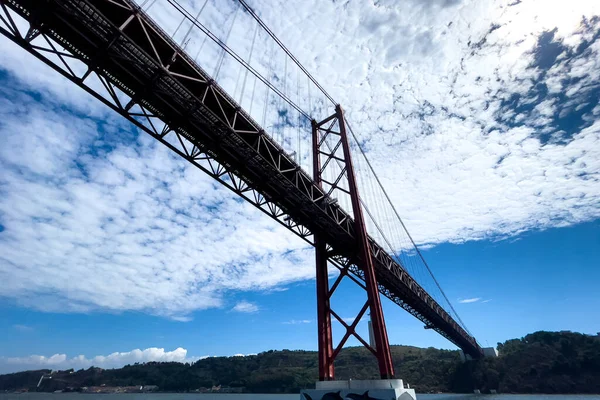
{"points": [[546, 363]]}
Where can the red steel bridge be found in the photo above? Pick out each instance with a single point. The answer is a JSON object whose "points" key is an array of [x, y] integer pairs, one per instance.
{"points": [[120, 52]]}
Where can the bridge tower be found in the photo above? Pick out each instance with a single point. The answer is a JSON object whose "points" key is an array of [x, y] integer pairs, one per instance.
{"points": [[335, 125], [330, 145]]}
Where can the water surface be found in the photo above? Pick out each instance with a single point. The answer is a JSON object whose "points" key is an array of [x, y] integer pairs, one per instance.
{"points": [[224, 396]]}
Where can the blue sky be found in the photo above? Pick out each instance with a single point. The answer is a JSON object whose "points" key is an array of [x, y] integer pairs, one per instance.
{"points": [[482, 119], [537, 281]]}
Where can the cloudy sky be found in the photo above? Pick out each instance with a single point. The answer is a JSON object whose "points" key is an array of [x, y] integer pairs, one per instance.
{"points": [[482, 119]]}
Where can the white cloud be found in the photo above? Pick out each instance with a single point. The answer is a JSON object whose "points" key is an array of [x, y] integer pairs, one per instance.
{"points": [[94, 222], [113, 360], [471, 300], [181, 318], [350, 320], [22, 328], [245, 307], [298, 322], [96, 219], [424, 85]]}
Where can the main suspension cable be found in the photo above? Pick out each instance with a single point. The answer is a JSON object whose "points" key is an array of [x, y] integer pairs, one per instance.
{"points": [[289, 53], [404, 226], [239, 59]]}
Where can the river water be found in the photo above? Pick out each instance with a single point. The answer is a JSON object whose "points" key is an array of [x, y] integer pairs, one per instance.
{"points": [[168, 396]]}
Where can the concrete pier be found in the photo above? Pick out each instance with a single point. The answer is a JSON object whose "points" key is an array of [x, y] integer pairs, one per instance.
{"points": [[488, 352], [381, 389]]}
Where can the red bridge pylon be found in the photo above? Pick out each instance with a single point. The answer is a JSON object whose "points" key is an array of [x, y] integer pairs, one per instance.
{"points": [[330, 146]]}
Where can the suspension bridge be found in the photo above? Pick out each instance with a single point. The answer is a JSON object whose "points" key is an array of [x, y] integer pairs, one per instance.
{"points": [[214, 84]]}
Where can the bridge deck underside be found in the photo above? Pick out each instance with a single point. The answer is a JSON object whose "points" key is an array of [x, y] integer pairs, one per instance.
{"points": [[118, 42]]}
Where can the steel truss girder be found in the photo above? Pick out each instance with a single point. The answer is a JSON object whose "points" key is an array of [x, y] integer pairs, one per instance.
{"points": [[194, 153], [134, 60], [185, 145]]}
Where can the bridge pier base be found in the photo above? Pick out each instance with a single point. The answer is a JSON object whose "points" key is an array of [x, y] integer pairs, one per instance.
{"points": [[380, 389]]}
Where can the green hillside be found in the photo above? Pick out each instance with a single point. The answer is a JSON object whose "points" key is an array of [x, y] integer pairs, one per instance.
{"points": [[542, 362]]}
